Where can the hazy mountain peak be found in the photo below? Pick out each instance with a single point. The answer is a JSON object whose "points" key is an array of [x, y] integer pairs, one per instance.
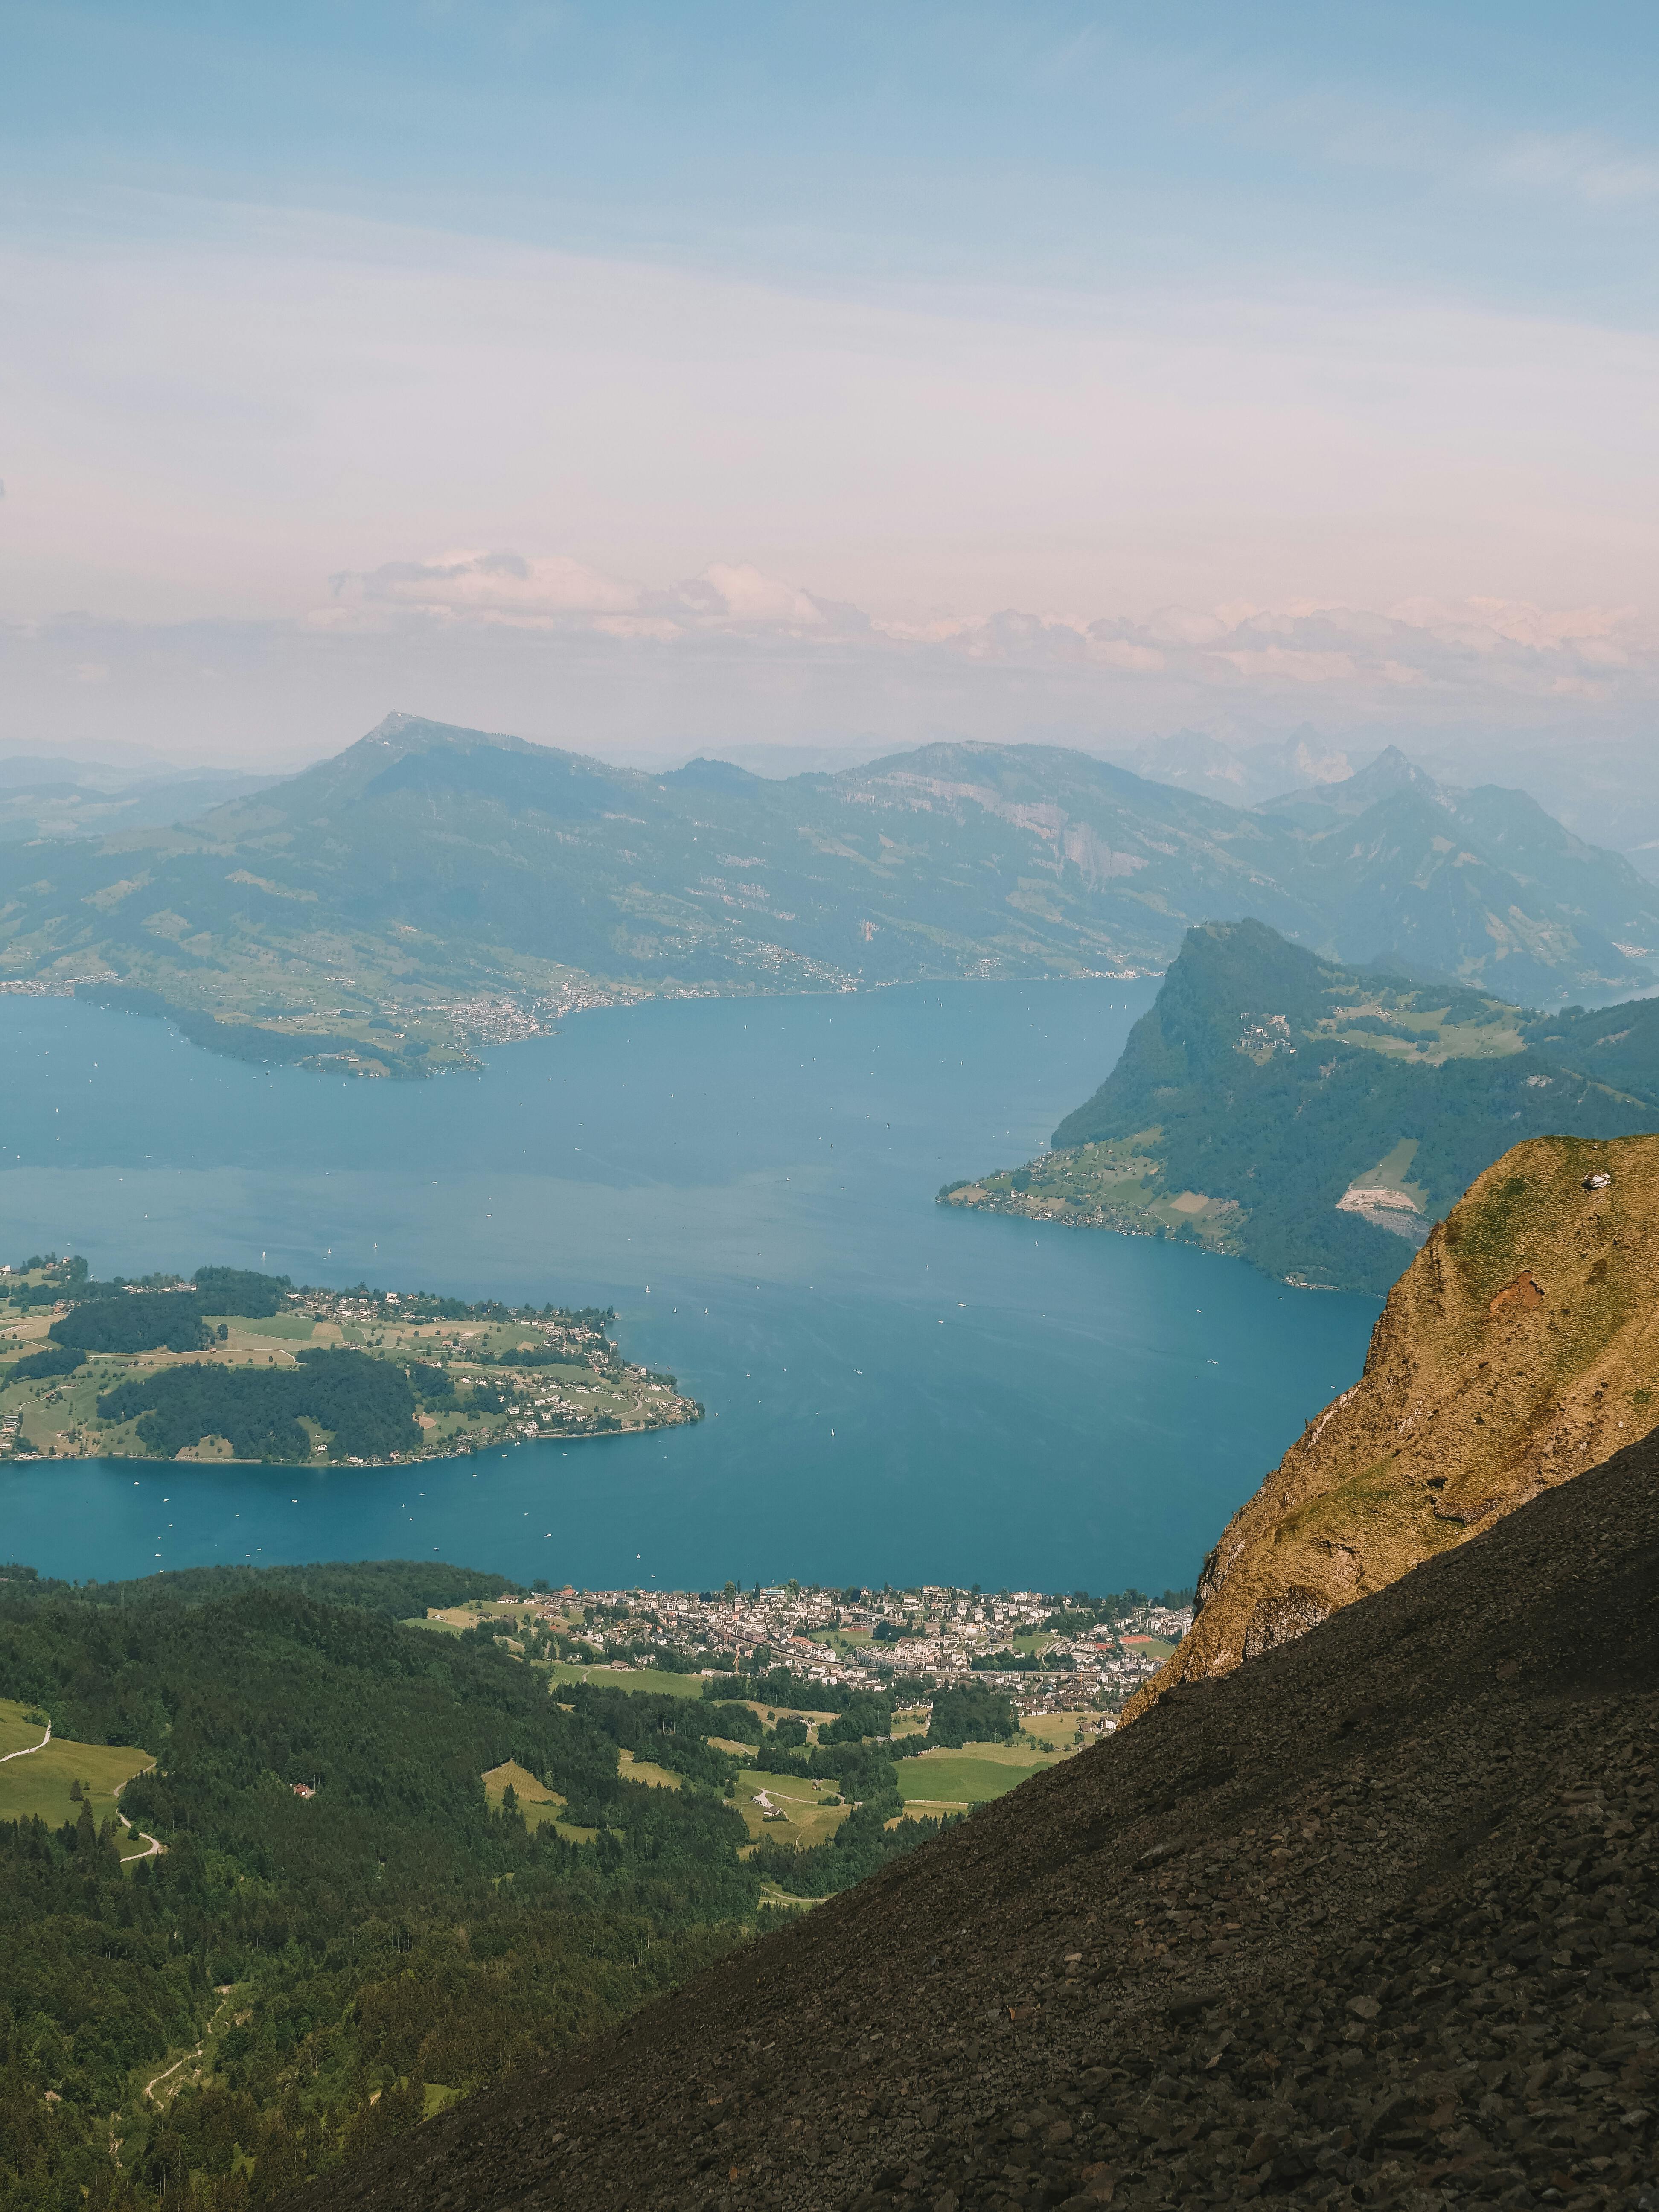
{"points": [[440, 853], [706, 772], [1391, 772]]}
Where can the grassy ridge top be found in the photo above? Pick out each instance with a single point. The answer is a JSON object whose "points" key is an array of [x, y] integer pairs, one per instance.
{"points": [[1519, 1350]]}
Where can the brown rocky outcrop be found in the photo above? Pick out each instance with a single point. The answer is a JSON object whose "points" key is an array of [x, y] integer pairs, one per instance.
{"points": [[1519, 1348]]}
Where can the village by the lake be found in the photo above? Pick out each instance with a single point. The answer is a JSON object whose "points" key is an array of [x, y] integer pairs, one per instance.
{"points": [[235, 1365]]}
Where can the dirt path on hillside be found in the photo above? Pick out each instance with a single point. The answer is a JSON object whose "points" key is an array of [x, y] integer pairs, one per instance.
{"points": [[28, 1749]]}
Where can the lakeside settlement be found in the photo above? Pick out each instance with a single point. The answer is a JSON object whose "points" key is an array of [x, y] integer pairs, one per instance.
{"points": [[232, 1365], [1050, 1653]]}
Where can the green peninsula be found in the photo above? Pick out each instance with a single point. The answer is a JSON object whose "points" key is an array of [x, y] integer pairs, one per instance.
{"points": [[1316, 1118], [235, 1365]]}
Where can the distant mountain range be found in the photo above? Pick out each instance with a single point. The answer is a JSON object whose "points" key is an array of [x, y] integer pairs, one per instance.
{"points": [[432, 883], [1316, 1118], [41, 798], [1240, 776]]}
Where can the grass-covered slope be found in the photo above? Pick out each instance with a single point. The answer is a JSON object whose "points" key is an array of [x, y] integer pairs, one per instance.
{"points": [[1520, 1348], [1315, 1118], [432, 884]]}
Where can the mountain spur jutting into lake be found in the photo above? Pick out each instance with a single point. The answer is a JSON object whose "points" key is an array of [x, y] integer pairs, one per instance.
{"points": [[892, 1391]]}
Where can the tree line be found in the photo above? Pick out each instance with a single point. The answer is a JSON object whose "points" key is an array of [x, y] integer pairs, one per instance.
{"points": [[392, 1932], [367, 1405]]}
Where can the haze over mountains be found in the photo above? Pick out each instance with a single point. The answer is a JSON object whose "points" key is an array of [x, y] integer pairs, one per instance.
{"points": [[1241, 775], [429, 863], [55, 798]]}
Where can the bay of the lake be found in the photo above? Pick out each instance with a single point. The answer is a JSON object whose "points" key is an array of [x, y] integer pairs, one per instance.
{"points": [[896, 1391]]}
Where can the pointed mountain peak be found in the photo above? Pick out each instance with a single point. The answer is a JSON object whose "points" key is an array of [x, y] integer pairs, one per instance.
{"points": [[1390, 771], [1384, 777]]}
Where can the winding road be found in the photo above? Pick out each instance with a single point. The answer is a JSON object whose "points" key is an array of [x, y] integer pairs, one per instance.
{"points": [[156, 1846]]}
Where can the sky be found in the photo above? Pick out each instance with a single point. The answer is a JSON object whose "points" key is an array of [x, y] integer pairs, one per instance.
{"points": [[654, 378]]}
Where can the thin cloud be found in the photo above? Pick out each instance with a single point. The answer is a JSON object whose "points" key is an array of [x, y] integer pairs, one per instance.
{"points": [[1581, 165], [1477, 648]]}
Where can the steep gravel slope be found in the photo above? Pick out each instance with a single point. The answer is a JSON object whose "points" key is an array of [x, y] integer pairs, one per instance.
{"points": [[1371, 1920]]}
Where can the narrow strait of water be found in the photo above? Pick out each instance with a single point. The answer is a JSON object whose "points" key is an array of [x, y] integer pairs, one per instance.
{"points": [[896, 1391]]}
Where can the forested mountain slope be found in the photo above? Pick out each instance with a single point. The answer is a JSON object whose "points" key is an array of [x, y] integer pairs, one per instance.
{"points": [[1315, 1118], [362, 910], [1373, 1920], [292, 1974]]}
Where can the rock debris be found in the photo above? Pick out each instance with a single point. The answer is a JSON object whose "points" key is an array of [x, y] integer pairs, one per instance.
{"points": [[1371, 1921]]}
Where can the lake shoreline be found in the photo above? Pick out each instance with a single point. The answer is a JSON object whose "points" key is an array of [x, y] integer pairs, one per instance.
{"points": [[748, 1183]]}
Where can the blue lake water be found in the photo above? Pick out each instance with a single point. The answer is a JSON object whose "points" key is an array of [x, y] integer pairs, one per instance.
{"points": [[896, 1391]]}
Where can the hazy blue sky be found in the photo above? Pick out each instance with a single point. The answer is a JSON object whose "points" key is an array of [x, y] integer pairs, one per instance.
{"points": [[624, 373]]}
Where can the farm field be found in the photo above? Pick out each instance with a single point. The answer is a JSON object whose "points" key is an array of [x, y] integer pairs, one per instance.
{"points": [[509, 1614], [654, 1681], [774, 1712], [960, 1779], [808, 1819], [38, 1785], [17, 1733], [1056, 1732], [630, 1678], [1154, 1647], [629, 1769], [538, 1804], [536, 1800]]}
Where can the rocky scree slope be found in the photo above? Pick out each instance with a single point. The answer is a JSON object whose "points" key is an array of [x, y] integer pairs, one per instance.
{"points": [[1520, 1348], [1373, 1920]]}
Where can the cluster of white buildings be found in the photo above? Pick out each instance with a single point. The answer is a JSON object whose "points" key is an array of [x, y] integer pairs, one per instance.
{"points": [[864, 1637]]}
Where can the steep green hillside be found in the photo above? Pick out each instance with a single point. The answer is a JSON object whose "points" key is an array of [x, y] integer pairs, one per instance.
{"points": [[341, 1929], [1316, 1118], [432, 886]]}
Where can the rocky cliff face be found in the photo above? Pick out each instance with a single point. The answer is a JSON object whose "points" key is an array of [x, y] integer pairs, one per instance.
{"points": [[1520, 1349]]}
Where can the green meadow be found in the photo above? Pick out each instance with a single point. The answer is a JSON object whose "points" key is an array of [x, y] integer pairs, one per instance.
{"points": [[954, 1778], [37, 1784]]}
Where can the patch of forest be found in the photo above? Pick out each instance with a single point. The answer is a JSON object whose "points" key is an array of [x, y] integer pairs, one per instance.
{"points": [[367, 1405], [346, 1951]]}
